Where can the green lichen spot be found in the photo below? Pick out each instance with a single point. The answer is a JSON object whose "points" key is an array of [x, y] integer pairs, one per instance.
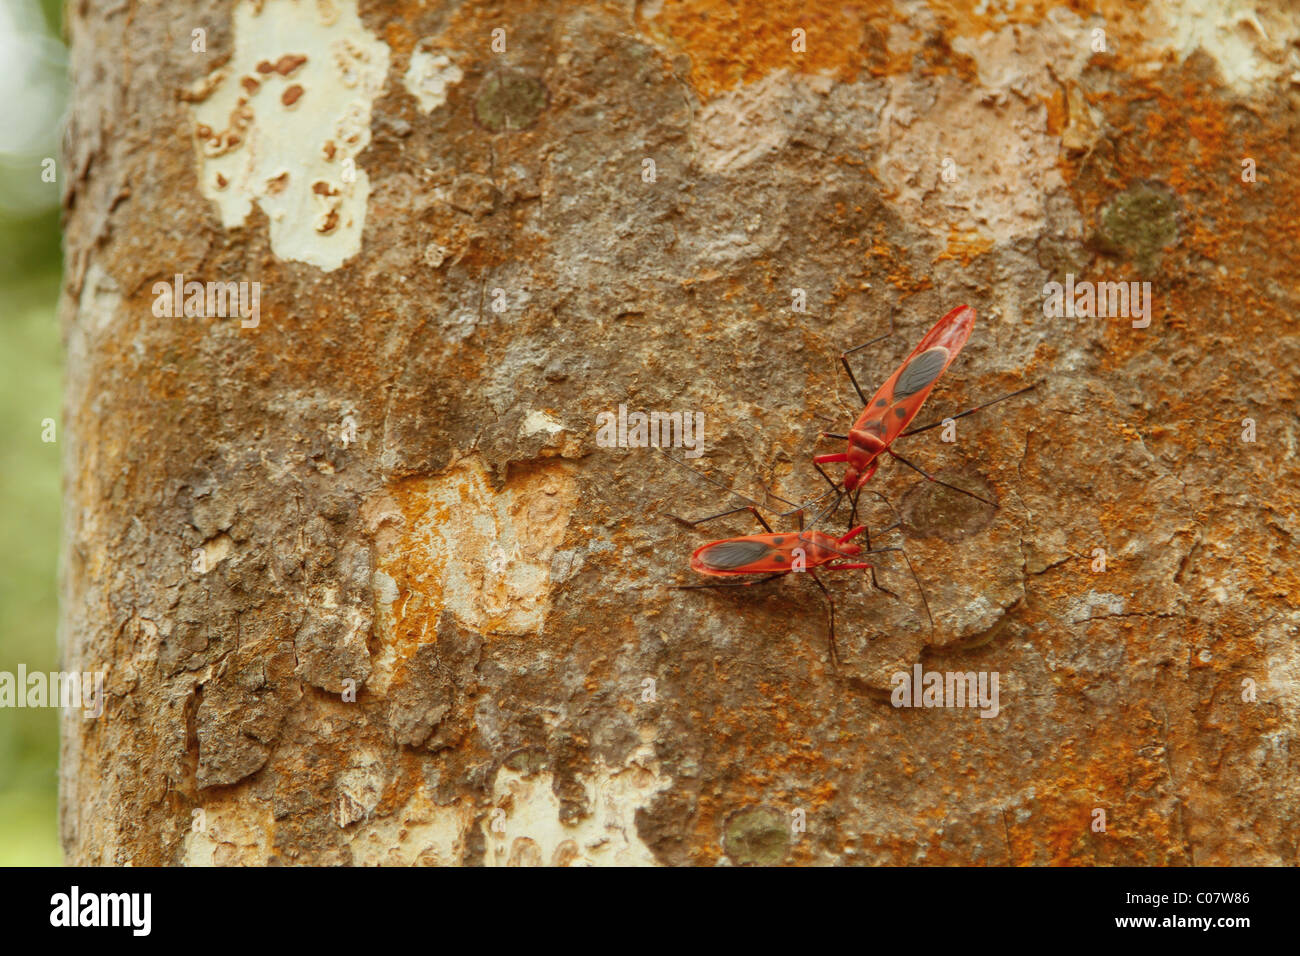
{"points": [[509, 101], [757, 836], [1139, 222]]}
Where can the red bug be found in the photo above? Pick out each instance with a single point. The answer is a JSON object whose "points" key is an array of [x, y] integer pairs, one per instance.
{"points": [[887, 413], [774, 554]]}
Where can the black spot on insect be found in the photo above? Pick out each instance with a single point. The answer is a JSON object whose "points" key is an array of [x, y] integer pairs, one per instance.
{"points": [[881, 403], [779, 559], [921, 371], [777, 541], [728, 555], [900, 412]]}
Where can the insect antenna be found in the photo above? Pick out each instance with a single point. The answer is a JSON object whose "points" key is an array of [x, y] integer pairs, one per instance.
{"points": [[795, 508], [844, 359], [969, 411], [939, 481]]}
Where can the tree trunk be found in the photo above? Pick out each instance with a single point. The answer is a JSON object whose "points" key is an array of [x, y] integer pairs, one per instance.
{"points": [[368, 584]]}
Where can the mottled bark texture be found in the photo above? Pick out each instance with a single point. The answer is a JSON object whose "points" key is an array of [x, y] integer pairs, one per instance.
{"points": [[469, 245]]}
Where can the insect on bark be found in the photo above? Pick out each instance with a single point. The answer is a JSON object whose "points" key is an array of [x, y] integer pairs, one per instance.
{"points": [[887, 413], [775, 554]]}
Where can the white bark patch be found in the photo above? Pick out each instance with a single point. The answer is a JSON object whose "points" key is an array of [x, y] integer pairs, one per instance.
{"points": [[421, 833], [463, 547], [429, 77], [100, 298], [230, 830], [1095, 604], [739, 127], [1016, 58], [1004, 159], [1247, 39], [359, 789], [536, 422], [281, 124], [525, 828], [215, 550], [385, 588]]}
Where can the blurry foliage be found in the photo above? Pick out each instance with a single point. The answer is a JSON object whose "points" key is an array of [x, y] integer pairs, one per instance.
{"points": [[30, 496]]}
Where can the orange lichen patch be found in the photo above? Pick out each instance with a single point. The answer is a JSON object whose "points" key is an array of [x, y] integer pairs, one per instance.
{"points": [[1058, 111], [798, 775], [1113, 771], [734, 43], [399, 36], [898, 271], [965, 246], [731, 44], [452, 543]]}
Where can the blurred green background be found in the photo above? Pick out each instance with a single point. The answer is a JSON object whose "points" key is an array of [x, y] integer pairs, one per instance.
{"points": [[33, 87]]}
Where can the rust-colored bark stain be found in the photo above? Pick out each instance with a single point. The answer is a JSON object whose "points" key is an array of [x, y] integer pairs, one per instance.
{"points": [[730, 44], [457, 546], [1123, 690]]}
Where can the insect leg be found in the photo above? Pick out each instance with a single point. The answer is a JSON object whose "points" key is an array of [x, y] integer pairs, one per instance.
{"points": [[750, 508], [930, 477], [829, 480], [853, 509], [723, 514], [830, 601], [853, 533], [867, 532], [969, 411], [794, 509], [898, 523], [864, 566], [730, 584]]}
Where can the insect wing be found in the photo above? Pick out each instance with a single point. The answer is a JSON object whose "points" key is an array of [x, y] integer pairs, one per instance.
{"points": [[757, 554], [732, 556], [900, 398]]}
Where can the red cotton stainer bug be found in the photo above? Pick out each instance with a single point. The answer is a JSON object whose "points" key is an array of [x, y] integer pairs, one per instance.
{"points": [[775, 554], [895, 404]]}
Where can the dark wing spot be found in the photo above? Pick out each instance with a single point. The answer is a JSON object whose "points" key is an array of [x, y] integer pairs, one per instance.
{"points": [[881, 403], [900, 412], [779, 559], [728, 555], [920, 372]]}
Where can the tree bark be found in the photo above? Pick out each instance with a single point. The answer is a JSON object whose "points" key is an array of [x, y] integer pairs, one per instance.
{"points": [[367, 585]]}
